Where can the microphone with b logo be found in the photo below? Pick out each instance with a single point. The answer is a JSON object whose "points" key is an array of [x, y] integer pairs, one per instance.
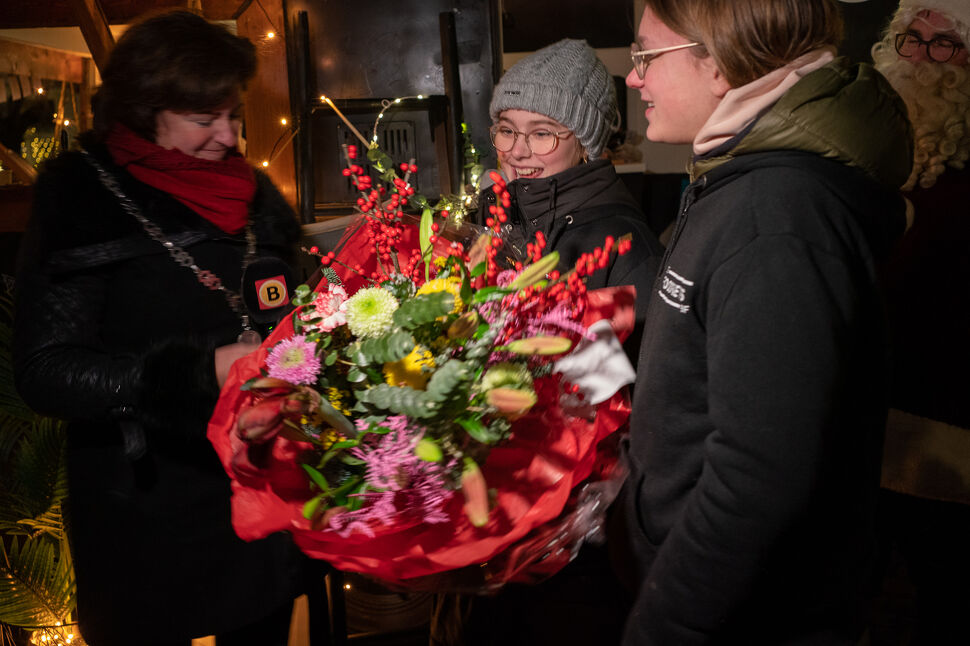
{"points": [[266, 287]]}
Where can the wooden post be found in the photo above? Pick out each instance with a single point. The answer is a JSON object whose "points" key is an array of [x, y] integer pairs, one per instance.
{"points": [[267, 138], [94, 27]]}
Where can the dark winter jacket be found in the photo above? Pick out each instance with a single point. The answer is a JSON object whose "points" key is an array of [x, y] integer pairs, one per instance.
{"points": [[113, 335], [761, 387], [575, 210]]}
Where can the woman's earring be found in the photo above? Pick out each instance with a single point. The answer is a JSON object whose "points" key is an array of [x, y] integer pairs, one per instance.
{"points": [[585, 157]]}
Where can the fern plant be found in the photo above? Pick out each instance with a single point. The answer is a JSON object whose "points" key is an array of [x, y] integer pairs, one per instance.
{"points": [[37, 589]]}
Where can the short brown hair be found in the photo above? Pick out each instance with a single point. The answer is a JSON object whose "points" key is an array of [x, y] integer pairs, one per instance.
{"points": [[175, 60], [749, 38]]}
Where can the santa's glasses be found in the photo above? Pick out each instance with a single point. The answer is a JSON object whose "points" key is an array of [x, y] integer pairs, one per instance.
{"points": [[938, 50]]}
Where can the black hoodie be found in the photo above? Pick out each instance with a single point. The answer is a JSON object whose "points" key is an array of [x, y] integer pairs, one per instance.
{"points": [[761, 387]]}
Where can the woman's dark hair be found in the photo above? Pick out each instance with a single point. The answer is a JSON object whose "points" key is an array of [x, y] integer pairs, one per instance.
{"points": [[176, 61]]}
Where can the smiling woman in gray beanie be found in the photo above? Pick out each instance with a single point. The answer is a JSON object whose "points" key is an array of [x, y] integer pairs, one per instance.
{"points": [[552, 114]]}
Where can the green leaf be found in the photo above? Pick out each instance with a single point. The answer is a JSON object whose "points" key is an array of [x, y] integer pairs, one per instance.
{"points": [[345, 444], [317, 478], [424, 238], [479, 269], [479, 432], [491, 293], [391, 347], [310, 506], [536, 271], [423, 309], [36, 582], [336, 419], [400, 400]]}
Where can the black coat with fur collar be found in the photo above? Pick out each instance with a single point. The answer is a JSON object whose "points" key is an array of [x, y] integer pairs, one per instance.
{"points": [[115, 336]]}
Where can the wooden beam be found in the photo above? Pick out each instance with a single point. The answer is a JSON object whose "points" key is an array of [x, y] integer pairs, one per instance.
{"points": [[21, 14], [94, 26], [39, 62], [24, 171]]}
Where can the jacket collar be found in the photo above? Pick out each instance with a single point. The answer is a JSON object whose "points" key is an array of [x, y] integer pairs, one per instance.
{"points": [[825, 113], [537, 203]]}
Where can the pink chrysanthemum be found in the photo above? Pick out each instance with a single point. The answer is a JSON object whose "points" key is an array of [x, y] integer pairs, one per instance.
{"points": [[407, 485], [294, 360], [328, 306]]}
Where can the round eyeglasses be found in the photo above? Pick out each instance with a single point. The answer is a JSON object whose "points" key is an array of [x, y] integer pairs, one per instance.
{"points": [[938, 50], [643, 57], [539, 142]]}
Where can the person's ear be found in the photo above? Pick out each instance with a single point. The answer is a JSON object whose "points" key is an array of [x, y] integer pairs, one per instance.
{"points": [[718, 82]]}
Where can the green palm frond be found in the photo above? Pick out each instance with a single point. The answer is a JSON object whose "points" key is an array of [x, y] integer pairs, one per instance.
{"points": [[36, 573], [10, 402], [34, 483], [50, 522], [12, 429], [39, 466], [36, 581]]}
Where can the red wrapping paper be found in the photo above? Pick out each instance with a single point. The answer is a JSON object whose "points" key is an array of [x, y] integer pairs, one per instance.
{"points": [[534, 474]]}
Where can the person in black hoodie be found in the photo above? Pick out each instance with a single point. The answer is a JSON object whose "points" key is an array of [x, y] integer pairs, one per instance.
{"points": [[552, 114], [761, 391], [123, 330]]}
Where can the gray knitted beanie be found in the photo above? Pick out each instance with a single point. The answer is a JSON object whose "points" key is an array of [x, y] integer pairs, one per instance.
{"points": [[565, 81]]}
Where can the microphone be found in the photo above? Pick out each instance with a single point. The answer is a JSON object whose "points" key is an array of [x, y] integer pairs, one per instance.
{"points": [[266, 287]]}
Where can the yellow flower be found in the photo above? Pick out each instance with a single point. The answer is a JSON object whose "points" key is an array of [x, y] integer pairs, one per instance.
{"points": [[336, 397], [409, 371], [452, 285]]}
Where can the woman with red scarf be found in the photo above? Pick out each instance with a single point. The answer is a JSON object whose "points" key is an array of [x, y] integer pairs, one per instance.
{"points": [[128, 317]]}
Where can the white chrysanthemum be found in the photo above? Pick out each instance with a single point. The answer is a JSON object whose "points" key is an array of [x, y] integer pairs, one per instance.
{"points": [[370, 311]]}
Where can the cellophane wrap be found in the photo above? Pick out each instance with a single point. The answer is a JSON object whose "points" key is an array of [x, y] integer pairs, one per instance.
{"points": [[550, 484]]}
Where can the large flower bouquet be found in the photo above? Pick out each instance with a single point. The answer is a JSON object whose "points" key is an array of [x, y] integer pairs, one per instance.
{"points": [[422, 411]]}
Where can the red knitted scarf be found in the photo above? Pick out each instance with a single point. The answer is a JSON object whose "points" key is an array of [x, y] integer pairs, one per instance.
{"points": [[219, 191]]}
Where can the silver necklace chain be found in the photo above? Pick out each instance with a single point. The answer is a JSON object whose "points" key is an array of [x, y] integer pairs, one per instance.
{"points": [[205, 277]]}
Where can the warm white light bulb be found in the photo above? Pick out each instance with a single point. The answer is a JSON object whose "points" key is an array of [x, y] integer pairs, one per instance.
{"points": [[270, 34], [283, 121], [265, 163]]}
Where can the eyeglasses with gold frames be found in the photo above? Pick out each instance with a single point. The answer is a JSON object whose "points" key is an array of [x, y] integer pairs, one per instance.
{"points": [[643, 57]]}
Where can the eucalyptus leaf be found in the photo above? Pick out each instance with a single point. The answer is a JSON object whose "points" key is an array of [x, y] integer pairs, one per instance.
{"points": [[387, 348], [400, 400], [422, 309]]}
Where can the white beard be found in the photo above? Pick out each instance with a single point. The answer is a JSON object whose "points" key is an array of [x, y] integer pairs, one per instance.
{"points": [[937, 97]]}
